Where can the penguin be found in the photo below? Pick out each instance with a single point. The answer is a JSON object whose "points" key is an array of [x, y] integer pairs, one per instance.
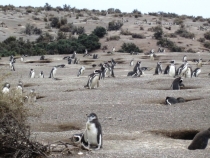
{"points": [[184, 58], [172, 100], [158, 69], [93, 133], [136, 70], [42, 57], [73, 55], [12, 67], [199, 63], [32, 96], [196, 72], [22, 58], [5, 89], [94, 79], [200, 141], [131, 62], [170, 69], [78, 139], [177, 83], [81, 71], [19, 88], [69, 60], [41, 75], [60, 66], [113, 49], [181, 70], [188, 72], [32, 73], [53, 72]]}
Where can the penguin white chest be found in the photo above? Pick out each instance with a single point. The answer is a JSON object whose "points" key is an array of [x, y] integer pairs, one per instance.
{"points": [[172, 71], [92, 133], [33, 75], [5, 90]]}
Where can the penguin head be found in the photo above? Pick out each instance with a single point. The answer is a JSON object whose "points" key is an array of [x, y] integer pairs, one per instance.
{"points": [[92, 117], [76, 138], [7, 85]]}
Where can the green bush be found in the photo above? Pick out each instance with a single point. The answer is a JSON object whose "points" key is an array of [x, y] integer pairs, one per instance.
{"points": [[184, 33], [158, 32], [207, 35], [115, 25], [201, 40], [170, 35], [164, 42], [207, 44], [55, 22], [99, 31], [137, 35], [130, 47]]}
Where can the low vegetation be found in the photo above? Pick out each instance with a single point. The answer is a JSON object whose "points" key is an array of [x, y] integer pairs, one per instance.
{"points": [[184, 33], [166, 43], [130, 47]]}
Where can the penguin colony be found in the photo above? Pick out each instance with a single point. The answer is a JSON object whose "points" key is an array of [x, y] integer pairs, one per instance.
{"points": [[92, 135]]}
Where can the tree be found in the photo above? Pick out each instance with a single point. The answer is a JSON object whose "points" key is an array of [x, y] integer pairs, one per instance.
{"points": [[47, 7], [99, 31]]}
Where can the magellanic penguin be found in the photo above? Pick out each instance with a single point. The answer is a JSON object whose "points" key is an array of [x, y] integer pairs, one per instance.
{"points": [[177, 83], [188, 72], [184, 58], [199, 63], [170, 69], [158, 69], [32, 73], [200, 141], [196, 72], [19, 88], [12, 67], [181, 70], [131, 62], [93, 133], [113, 49], [5, 89], [22, 58], [42, 57], [53, 72], [41, 75], [81, 71], [94, 79], [32, 96], [137, 72], [172, 100]]}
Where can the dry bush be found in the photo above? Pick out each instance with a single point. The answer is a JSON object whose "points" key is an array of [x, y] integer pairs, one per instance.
{"points": [[125, 32], [138, 35], [14, 132], [111, 38]]}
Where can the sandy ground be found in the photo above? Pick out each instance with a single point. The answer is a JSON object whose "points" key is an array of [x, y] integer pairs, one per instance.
{"points": [[129, 109]]}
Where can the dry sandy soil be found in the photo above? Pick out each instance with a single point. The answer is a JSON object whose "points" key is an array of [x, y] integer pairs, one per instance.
{"points": [[135, 121]]}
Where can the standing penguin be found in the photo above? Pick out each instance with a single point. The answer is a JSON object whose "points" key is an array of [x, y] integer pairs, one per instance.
{"points": [[158, 69], [131, 62], [184, 58], [32, 73], [170, 69], [94, 79], [181, 70], [20, 88], [11, 64], [196, 72], [5, 89], [93, 133], [200, 141], [53, 72], [22, 58], [199, 63], [41, 75], [188, 72], [177, 83], [81, 71]]}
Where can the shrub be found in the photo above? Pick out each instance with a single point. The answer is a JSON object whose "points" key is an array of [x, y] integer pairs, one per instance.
{"points": [[130, 47], [47, 7], [99, 31], [37, 31], [164, 42], [115, 25], [207, 44], [158, 32], [66, 28], [63, 21], [80, 30], [184, 33], [125, 32], [111, 38], [191, 51], [94, 18], [141, 28], [178, 21], [29, 29], [55, 22], [170, 35], [136, 35], [207, 35], [201, 40]]}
